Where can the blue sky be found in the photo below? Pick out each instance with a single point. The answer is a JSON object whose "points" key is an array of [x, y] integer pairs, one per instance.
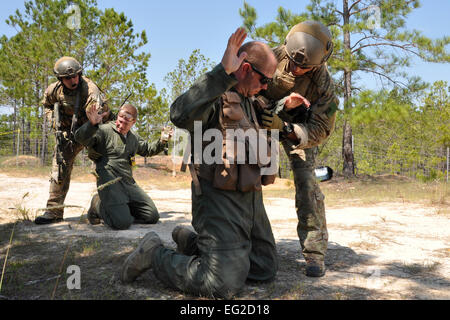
{"points": [[176, 28]]}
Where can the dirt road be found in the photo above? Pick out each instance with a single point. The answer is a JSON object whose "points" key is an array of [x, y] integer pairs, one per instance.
{"points": [[386, 251]]}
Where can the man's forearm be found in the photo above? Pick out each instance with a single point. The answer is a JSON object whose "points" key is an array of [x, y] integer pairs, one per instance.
{"points": [[86, 134]]}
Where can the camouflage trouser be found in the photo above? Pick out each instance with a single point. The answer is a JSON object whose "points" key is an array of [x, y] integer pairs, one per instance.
{"points": [[234, 243], [59, 189], [309, 203]]}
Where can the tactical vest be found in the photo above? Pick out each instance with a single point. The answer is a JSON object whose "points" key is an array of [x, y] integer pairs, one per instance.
{"points": [[284, 83], [68, 100], [231, 175]]}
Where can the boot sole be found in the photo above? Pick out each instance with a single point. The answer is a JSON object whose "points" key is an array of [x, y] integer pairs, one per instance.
{"points": [[132, 256]]}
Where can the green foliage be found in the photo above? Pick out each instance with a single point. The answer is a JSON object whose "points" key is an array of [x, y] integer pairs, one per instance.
{"points": [[395, 133], [186, 72], [362, 46], [104, 42]]}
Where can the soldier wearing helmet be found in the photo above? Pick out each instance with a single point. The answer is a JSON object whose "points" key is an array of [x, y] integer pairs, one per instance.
{"points": [[73, 94], [302, 105]]}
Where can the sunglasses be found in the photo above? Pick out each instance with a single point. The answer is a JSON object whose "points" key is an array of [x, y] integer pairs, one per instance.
{"points": [[264, 79], [70, 77]]}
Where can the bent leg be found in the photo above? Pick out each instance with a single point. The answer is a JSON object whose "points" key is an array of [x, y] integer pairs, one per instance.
{"points": [[116, 216], [142, 207], [59, 189], [223, 221]]}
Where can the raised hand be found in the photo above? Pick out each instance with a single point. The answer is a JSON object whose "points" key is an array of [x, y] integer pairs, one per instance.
{"points": [[166, 134], [93, 115], [295, 100], [230, 61]]}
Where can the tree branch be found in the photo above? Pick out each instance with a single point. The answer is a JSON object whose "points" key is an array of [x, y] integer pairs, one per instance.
{"points": [[362, 39], [354, 3], [336, 10], [383, 75], [403, 47]]}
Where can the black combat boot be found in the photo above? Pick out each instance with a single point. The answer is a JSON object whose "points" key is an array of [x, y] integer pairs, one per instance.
{"points": [[48, 218], [315, 268]]}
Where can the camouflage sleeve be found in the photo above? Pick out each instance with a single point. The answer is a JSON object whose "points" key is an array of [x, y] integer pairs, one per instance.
{"points": [[320, 120], [95, 96], [50, 97]]}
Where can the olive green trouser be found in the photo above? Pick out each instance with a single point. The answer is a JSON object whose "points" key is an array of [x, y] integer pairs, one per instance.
{"points": [[235, 243], [309, 203], [124, 203], [59, 189]]}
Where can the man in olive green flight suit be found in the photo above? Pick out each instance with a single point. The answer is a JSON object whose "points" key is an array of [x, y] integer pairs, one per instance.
{"points": [[123, 202], [302, 79], [75, 94], [234, 236]]}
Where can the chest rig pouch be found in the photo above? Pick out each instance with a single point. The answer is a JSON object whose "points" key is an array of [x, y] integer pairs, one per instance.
{"points": [[233, 174]]}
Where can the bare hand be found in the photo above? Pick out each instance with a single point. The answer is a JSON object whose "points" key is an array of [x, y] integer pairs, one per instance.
{"points": [[230, 61], [295, 100], [93, 115], [166, 134]]}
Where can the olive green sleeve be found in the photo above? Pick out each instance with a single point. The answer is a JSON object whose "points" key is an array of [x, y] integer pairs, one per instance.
{"points": [[87, 135], [148, 149], [198, 103]]}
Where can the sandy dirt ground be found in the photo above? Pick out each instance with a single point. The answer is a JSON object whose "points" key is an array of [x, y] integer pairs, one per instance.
{"points": [[385, 251]]}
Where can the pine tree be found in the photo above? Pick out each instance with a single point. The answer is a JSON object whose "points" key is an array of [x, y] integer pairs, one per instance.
{"points": [[369, 37]]}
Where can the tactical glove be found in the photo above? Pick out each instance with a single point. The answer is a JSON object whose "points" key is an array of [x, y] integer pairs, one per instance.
{"points": [[271, 121]]}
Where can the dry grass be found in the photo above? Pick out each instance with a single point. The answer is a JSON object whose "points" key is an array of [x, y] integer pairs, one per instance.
{"points": [[372, 191], [158, 173], [420, 268], [21, 212]]}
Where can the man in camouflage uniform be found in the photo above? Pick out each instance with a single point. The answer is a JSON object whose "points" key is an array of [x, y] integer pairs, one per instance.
{"points": [[122, 202], [304, 110], [74, 95], [234, 239]]}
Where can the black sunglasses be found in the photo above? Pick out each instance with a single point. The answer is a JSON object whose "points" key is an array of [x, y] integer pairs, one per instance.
{"points": [[70, 77], [264, 79]]}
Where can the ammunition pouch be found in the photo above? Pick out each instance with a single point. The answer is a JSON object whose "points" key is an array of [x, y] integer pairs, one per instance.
{"points": [[230, 174]]}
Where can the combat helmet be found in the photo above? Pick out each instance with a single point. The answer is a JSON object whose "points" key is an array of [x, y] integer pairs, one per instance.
{"points": [[67, 67], [309, 44]]}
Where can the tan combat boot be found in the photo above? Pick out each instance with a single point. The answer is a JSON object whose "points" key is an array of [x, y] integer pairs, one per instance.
{"points": [[140, 259], [93, 214]]}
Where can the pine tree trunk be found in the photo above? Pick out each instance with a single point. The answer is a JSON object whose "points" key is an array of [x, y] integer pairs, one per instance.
{"points": [[15, 127], [347, 151]]}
